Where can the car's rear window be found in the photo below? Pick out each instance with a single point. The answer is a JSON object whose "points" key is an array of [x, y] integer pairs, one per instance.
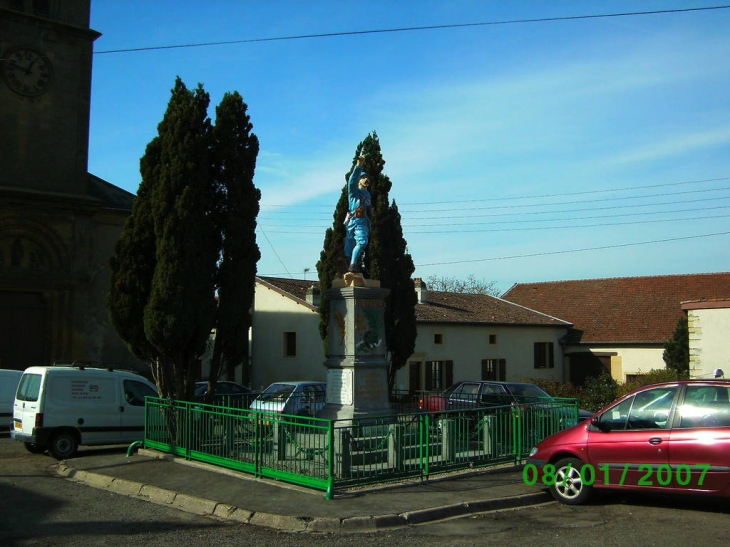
{"points": [[29, 387], [528, 393]]}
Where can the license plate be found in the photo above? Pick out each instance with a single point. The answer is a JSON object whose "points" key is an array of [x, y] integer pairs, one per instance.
{"points": [[18, 424]]}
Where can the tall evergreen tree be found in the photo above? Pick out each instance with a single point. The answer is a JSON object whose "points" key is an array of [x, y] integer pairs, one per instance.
{"points": [[178, 317], [386, 259], [180, 244], [676, 350], [236, 150]]}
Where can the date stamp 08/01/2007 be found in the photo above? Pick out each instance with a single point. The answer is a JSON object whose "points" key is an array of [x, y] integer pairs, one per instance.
{"points": [[649, 474]]}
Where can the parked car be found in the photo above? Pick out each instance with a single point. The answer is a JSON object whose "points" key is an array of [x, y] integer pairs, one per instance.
{"points": [[226, 393], [485, 394], [292, 398], [58, 408], [669, 437], [8, 386]]}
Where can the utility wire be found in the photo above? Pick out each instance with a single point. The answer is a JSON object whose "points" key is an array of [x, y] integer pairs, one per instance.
{"points": [[572, 227], [513, 198], [585, 249], [441, 231], [644, 213], [412, 29], [551, 253], [274, 250], [610, 190], [274, 222]]}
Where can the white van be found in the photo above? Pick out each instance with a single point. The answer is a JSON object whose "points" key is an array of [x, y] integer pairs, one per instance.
{"points": [[8, 385], [58, 408]]}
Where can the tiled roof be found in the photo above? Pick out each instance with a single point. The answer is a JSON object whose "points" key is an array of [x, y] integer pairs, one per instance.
{"points": [[296, 288], [444, 307], [624, 309], [447, 307]]}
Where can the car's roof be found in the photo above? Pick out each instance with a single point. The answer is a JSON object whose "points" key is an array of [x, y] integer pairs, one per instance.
{"points": [[298, 383], [494, 382], [693, 381]]}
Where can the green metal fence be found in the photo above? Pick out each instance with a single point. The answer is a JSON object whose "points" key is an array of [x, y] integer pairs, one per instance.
{"points": [[331, 455]]}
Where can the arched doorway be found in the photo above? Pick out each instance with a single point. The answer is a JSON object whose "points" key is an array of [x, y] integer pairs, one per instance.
{"points": [[23, 330]]}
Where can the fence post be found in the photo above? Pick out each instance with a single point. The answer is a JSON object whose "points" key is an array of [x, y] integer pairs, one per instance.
{"points": [[488, 436], [448, 439], [516, 433], [395, 452], [280, 440], [344, 442], [330, 460]]}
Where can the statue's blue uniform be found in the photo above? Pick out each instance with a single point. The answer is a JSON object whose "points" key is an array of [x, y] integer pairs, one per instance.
{"points": [[358, 225]]}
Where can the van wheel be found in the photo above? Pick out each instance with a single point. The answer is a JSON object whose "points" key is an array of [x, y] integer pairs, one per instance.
{"points": [[569, 487], [63, 445], [34, 448]]}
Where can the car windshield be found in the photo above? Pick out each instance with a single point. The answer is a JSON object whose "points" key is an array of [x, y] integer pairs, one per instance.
{"points": [[528, 393], [277, 392], [449, 390]]}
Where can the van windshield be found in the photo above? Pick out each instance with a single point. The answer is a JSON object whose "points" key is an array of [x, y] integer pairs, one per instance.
{"points": [[29, 387]]}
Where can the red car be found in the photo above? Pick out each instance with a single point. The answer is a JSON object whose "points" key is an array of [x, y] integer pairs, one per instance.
{"points": [[663, 437]]}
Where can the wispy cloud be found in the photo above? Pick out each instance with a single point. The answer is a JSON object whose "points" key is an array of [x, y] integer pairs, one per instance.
{"points": [[674, 146]]}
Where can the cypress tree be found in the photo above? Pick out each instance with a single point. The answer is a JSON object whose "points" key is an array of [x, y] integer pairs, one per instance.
{"points": [[178, 317], [131, 270], [190, 234], [236, 150]]}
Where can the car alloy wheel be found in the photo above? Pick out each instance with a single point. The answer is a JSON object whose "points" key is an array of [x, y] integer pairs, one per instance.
{"points": [[569, 486]]}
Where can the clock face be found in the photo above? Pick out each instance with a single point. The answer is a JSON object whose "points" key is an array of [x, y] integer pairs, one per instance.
{"points": [[26, 71]]}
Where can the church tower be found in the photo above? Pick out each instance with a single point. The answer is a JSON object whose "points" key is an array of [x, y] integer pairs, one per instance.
{"points": [[46, 71], [58, 223]]}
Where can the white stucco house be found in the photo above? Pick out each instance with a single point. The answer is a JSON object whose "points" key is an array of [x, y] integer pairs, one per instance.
{"points": [[460, 337]]}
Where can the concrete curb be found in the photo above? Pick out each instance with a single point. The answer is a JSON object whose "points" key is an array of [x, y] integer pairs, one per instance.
{"points": [[286, 523]]}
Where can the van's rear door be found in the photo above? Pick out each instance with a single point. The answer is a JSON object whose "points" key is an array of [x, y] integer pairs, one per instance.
{"points": [[27, 403]]}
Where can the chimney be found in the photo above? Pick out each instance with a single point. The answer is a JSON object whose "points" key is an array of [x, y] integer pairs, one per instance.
{"points": [[313, 296], [421, 290]]}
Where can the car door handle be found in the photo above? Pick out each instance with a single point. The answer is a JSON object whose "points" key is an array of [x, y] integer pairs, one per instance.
{"points": [[655, 440]]}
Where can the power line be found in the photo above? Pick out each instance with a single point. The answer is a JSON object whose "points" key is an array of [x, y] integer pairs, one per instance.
{"points": [[412, 29], [497, 216], [644, 213], [585, 192], [623, 198], [512, 198], [441, 231], [549, 253], [274, 250], [298, 221], [571, 227]]}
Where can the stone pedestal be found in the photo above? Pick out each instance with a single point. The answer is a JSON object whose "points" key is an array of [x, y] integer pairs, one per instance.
{"points": [[357, 368]]}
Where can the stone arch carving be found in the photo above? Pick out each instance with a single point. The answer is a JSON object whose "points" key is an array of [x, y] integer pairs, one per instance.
{"points": [[31, 245]]}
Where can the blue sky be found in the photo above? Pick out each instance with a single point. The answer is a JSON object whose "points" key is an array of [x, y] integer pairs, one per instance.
{"points": [[518, 151]]}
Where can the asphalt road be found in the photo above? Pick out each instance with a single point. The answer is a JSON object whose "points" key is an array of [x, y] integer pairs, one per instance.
{"points": [[40, 509]]}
